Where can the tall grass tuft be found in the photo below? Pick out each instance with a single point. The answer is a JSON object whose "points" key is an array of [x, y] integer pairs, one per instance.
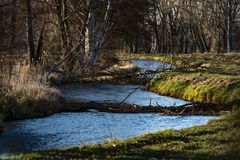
{"points": [[23, 96]]}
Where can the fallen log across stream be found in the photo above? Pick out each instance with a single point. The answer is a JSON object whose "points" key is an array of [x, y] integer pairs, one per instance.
{"points": [[113, 78], [184, 110]]}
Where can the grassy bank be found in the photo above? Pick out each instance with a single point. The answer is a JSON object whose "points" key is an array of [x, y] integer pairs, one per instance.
{"points": [[198, 87], [228, 64], [205, 78], [219, 139], [22, 94]]}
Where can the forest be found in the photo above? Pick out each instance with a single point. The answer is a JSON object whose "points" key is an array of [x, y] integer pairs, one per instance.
{"points": [[119, 79], [160, 26]]}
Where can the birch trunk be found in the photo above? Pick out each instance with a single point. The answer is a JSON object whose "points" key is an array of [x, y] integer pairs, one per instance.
{"points": [[90, 30], [96, 52]]}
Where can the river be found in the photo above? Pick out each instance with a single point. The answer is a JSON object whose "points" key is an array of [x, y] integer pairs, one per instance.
{"points": [[73, 129]]}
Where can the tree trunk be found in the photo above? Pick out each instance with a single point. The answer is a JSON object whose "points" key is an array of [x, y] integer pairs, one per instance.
{"points": [[31, 47], [203, 42], [61, 13], [13, 23], [229, 34], [102, 34], [65, 23], [90, 37]]}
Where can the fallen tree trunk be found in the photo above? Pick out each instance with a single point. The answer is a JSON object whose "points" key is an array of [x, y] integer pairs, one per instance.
{"points": [[184, 110]]}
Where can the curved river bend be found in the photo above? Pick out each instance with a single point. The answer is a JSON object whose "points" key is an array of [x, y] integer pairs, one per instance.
{"points": [[73, 129]]}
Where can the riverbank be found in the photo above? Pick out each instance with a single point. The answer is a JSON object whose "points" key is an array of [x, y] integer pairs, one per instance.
{"points": [[222, 63], [23, 96], [117, 73], [219, 139], [198, 87], [203, 78]]}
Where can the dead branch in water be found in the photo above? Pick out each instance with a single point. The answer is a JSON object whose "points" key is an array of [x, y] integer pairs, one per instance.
{"points": [[183, 110]]}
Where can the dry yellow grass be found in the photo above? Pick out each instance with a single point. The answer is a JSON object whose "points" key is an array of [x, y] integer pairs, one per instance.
{"points": [[22, 94]]}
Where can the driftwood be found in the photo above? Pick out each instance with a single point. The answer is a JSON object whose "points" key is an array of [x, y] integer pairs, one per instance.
{"points": [[184, 110]]}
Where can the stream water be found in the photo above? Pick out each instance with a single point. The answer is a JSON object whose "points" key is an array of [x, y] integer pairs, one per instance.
{"points": [[73, 129], [151, 64], [116, 93]]}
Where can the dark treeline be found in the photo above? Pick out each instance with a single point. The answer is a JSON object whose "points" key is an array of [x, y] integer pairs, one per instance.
{"points": [[53, 27], [180, 26], [48, 29]]}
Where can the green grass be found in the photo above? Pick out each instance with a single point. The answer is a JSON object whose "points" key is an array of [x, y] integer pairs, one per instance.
{"points": [[205, 78], [219, 139], [228, 64], [198, 87]]}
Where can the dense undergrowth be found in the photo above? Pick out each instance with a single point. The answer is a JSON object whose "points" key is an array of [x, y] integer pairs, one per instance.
{"points": [[23, 96], [219, 139]]}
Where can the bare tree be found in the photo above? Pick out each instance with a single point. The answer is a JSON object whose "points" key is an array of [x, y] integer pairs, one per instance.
{"points": [[30, 30]]}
